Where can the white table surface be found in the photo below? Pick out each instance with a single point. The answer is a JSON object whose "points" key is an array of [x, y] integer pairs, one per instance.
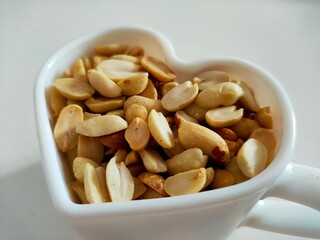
{"points": [[282, 36]]}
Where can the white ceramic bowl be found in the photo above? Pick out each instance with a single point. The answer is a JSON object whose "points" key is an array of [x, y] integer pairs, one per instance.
{"points": [[207, 215]]}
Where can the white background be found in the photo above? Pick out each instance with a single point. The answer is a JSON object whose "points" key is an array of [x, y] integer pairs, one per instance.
{"points": [[281, 36]]}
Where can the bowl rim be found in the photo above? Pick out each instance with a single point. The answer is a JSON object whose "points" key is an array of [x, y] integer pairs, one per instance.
{"points": [[54, 177]]}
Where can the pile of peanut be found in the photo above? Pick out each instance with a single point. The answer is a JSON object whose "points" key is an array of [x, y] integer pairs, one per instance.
{"points": [[131, 132]]}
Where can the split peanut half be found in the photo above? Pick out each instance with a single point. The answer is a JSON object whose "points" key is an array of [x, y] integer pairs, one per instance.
{"points": [[112, 49], [92, 185], [189, 159], [192, 135], [118, 69], [158, 69], [180, 96], [64, 131], [78, 167], [134, 84], [154, 181], [101, 125], [247, 99], [137, 134], [160, 129], [119, 181], [225, 94], [186, 182], [208, 79], [153, 161], [104, 85], [223, 116], [104, 104], [73, 88], [252, 157]]}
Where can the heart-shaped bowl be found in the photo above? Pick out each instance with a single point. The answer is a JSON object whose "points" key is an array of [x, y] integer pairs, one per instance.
{"points": [[206, 215]]}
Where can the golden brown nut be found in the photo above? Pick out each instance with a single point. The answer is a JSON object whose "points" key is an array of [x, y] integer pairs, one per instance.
{"points": [[222, 178], [186, 182], [137, 134], [192, 135], [64, 132], [158, 69], [154, 181]]}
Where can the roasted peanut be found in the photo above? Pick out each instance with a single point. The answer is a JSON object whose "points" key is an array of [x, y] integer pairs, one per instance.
{"points": [[189, 159], [101, 125], [227, 134], [125, 57], [136, 169], [87, 63], [195, 111], [160, 130], [150, 91], [79, 71], [96, 60], [119, 181], [91, 148], [154, 181], [73, 88], [192, 135], [137, 134], [104, 85], [148, 103], [225, 94], [150, 194], [120, 155], [209, 177], [112, 49], [166, 87], [78, 188], [135, 110], [87, 115], [233, 168], [245, 127], [139, 188], [118, 69], [136, 51], [180, 96], [152, 161], [114, 140], [101, 173], [247, 99], [103, 104], [92, 185], [182, 116], [79, 166], [132, 158], [252, 157], [268, 139], [186, 182], [118, 112], [264, 117], [210, 78], [64, 132], [223, 116], [134, 84], [158, 69], [57, 101], [222, 178]]}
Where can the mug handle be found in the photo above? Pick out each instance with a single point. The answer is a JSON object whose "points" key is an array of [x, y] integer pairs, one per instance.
{"points": [[299, 184]]}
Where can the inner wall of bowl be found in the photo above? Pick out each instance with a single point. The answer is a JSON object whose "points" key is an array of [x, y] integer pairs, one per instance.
{"points": [[157, 46]]}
